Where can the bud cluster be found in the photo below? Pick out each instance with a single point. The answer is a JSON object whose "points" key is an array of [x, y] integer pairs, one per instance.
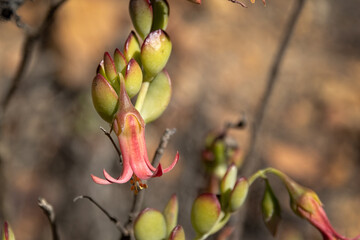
{"points": [[140, 66], [153, 224]]}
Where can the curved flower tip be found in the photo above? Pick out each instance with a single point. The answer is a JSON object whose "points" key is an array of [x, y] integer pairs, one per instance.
{"points": [[160, 171], [168, 169], [100, 180]]}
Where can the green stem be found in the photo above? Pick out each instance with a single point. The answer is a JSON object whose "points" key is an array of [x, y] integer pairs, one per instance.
{"points": [[261, 173], [217, 226], [141, 97]]}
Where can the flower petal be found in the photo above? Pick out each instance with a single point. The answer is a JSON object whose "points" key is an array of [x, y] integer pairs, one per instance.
{"points": [[124, 177], [158, 172], [100, 180], [168, 169], [141, 169]]}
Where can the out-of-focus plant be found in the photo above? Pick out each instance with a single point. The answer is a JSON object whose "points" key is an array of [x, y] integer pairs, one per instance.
{"points": [[234, 1], [7, 233]]}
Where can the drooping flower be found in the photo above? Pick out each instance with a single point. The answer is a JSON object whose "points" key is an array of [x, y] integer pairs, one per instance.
{"points": [[129, 127], [305, 203]]}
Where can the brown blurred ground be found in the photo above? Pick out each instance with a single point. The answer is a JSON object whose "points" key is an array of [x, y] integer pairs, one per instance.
{"points": [[51, 141]]}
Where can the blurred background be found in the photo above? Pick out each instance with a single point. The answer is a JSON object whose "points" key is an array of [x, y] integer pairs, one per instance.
{"points": [[51, 141]]}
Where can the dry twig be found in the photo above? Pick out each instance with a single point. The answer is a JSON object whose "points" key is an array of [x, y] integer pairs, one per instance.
{"points": [[50, 214], [111, 218], [28, 49], [252, 158]]}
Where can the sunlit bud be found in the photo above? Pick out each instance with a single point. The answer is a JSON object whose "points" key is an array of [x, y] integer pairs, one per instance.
{"points": [[133, 78], [110, 71], [150, 224], [171, 213], [227, 184], [104, 97], [141, 14], [119, 61], [132, 48], [157, 98], [205, 213], [155, 53], [161, 14], [177, 233], [238, 194]]}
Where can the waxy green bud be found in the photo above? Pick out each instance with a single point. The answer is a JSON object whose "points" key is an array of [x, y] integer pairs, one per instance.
{"points": [[104, 97], [7, 233], [227, 184], [157, 97], [205, 213], [270, 209], [150, 225], [141, 14], [171, 213], [228, 181], [177, 233], [110, 71], [155, 53], [101, 69], [133, 78], [161, 14], [132, 48], [119, 61], [238, 194]]}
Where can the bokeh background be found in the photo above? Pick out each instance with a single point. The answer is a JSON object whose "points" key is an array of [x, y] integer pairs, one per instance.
{"points": [[51, 141]]}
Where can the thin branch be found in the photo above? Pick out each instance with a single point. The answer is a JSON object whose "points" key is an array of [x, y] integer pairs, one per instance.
{"points": [[50, 214], [238, 2], [252, 159], [162, 145], [108, 134], [28, 49], [240, 124], [113, 219]]}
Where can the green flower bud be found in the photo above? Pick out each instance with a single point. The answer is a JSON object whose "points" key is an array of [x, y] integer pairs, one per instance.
{"points": [[238, 194], [141, 14], [155, 53], [104, 97], [227, 184], [161, 14], [177, 233], [270, 209], [150, 225], [171, 213], [133, 78], [132, 48], [205, 212], [119, 61], [228, 181], [101, 69], [7, 233], [110, 71], [157, 97]]}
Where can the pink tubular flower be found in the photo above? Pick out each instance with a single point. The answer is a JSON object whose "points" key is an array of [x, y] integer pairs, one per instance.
{"points": [[305, 203], [129, 126], [317, 217]]}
